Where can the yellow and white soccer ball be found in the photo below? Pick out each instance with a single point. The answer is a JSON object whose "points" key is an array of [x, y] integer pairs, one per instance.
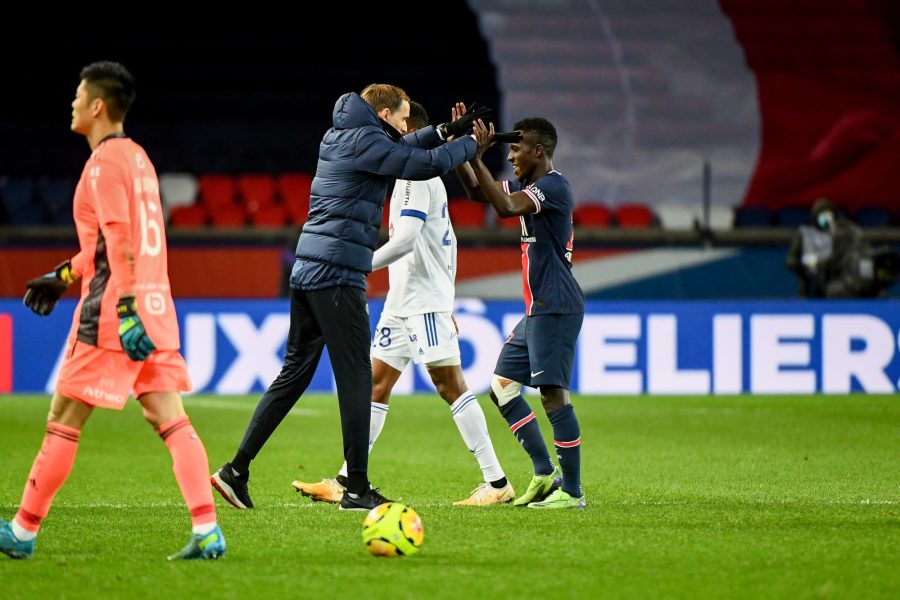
{"points": [[392, 529]]}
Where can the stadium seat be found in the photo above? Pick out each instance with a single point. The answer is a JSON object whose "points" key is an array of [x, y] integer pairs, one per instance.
{"points": [[55, 195], [293, 188], [21, 204], [257, 191], [674, 216], [792, 216], [16, 192], [465, 213], [509, 223], [592, 215], [217, 191], [752, 216], [634, 216], [177, 189], [273, 215], [228, 216], [873, 216], [188, 216]]}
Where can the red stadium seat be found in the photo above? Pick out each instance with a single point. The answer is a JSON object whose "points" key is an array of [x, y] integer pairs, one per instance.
{"points": [[465, 213], [217, 190], [592, 215], [509, 223], [634, 216], [188, 216], [273, 215], [386, 215], [294, 191], [257, 191], [229, 216]]}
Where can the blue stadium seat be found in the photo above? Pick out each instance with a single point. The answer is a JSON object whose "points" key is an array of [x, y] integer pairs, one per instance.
{"points": [[752, 216], [55, 194], [16, 192], [792, 216], [20, 203], [873, 216]]}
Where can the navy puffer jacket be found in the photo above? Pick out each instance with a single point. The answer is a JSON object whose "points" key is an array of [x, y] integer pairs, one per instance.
{"points": [[356, 160]]}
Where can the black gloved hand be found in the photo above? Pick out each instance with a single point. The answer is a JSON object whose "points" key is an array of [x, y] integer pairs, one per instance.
{"points": [[463, 125], [45, 291], [508, 137]]}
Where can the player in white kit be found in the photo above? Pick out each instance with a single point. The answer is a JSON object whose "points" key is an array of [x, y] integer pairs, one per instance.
{"points": [[417, 326]]}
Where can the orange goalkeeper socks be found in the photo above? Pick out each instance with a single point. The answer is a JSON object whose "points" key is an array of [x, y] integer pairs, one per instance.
{"points": [[191, 467], [48, 473]]}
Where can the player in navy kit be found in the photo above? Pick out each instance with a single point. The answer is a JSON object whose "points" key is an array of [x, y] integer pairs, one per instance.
{"points": [[540, 351]]}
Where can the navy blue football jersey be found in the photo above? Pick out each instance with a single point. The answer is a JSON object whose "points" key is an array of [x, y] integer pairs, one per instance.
{"points": [[547, 244]]}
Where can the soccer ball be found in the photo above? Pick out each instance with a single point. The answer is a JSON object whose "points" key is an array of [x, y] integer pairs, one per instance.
{"points": [[392, 529]]}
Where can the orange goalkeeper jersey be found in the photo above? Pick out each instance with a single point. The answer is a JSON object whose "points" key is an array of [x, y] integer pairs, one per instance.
{"points": [[117, 201]]}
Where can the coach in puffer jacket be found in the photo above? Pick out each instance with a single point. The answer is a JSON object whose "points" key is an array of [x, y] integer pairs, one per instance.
{"points": [[328, 283], [357, 157]]}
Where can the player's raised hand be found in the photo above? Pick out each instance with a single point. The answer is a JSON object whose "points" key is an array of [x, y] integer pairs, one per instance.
{"points": [[45, 291], [484, 136]]}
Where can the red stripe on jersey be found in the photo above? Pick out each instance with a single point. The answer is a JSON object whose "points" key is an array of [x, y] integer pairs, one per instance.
{"points": [[571, 444], [518, 424], [526, 282]]}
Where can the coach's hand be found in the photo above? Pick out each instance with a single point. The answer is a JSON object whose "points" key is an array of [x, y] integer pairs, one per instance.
{"points": [[44, 292], [135, 342]]}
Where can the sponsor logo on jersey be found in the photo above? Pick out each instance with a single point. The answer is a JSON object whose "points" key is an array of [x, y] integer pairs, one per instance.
{"points": [[537, 192]]}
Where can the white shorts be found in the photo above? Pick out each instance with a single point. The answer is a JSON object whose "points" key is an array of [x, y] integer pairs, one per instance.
{"points": [[430, 338]]}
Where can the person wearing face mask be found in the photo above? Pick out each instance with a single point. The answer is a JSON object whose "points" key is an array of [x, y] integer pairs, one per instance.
{"points": [[833, 260]]}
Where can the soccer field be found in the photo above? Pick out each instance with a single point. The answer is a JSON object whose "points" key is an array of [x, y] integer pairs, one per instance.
{"points": [[687, 497]]}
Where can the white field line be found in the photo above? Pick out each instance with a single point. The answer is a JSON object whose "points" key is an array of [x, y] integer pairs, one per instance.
{"points": [[239, 406]]}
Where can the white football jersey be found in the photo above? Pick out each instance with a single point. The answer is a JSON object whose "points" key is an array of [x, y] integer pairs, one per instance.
{"points": [[422, 281]]}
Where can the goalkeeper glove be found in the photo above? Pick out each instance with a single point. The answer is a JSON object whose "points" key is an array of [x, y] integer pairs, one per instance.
{"points": [[44, 292], [135, 342], [463, 125]]}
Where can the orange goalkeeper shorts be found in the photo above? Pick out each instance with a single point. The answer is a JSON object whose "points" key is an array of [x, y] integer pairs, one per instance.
{"points": [[105, 378]]}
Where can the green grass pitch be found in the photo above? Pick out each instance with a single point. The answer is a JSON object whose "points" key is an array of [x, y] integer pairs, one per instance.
{"points": [[739, 497]]}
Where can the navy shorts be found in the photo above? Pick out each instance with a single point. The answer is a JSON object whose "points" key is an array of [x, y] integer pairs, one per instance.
{"points": [[541, 350]]}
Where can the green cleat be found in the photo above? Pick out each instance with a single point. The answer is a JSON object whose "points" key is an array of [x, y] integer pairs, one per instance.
{"points": [[11, 546], [540, 487], [209, 546], [559, 499]]}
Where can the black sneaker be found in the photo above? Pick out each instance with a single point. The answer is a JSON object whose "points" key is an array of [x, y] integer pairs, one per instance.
{"points": [[367, 501], [232, 488]]}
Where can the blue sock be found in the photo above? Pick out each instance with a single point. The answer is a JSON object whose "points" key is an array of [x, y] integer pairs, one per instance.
{"points": [[524, 426], [567, 438]]}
